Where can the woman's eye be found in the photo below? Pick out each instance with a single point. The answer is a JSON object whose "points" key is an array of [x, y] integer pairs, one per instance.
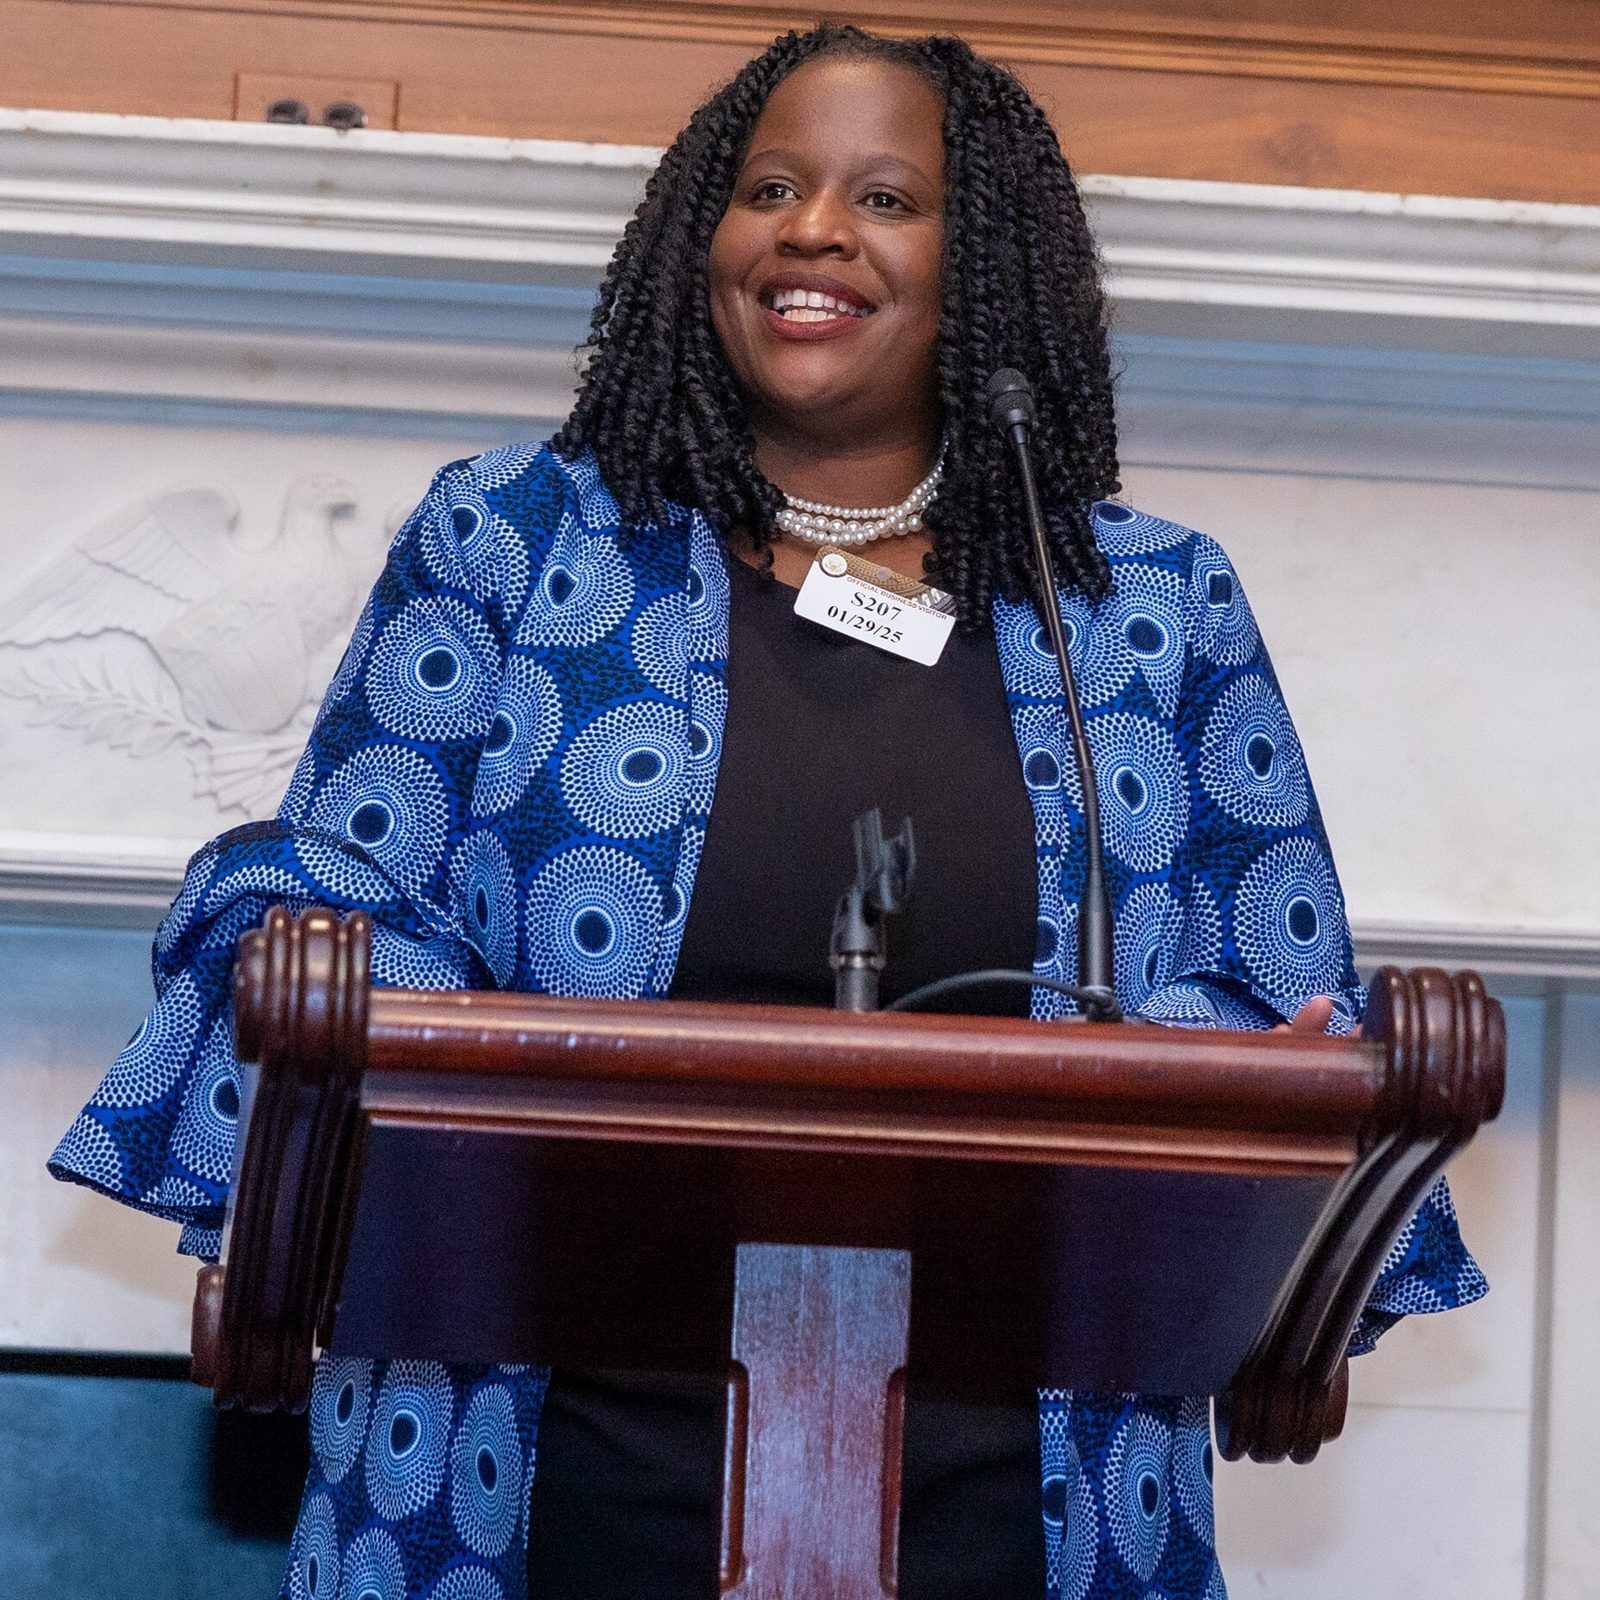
{"points": [[772, 189], [884, 200]]}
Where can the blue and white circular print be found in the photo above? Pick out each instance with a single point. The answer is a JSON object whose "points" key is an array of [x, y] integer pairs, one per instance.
{"points": [[410, 1436], [468, 544], [340, 867], [583, 593], [153, 1060], [483, 895], [1027, 662], [1193, 1465], [277, 885], [624, 774], [1250, 760], [1144, 789], [1288, 922], [596, 504], [593, 916], [345, 678], [89, 1152], [486, 1473], [341, 1393], [434, 672], [402, 961], [1120, 530], [203, 1138], [1138, 1467], [512, 776], [675, 908], [1049, 772], [314, 1554], [374, 1568], [1139, 632], [708, 591], [660, 645], [390, 802], [467, 1583], [1071, 1523], [708, 715], [1221, 627], [1149, 926], [495, 469], [301, 782], [1199, 947], [522, 732]]}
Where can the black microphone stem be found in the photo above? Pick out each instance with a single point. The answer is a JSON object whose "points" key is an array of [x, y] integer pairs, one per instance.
{"points": [[1095, 959]]}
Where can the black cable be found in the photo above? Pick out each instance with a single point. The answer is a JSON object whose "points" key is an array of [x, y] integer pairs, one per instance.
{"points": [[972, 980]]}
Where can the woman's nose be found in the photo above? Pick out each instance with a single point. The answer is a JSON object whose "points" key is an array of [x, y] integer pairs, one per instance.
{"points": [[820, 224]]}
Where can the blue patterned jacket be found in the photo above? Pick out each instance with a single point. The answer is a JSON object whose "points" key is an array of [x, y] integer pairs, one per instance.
{"points": [[512, 772]]}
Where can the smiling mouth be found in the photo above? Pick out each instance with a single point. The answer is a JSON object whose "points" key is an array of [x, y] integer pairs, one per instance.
{"points": [[811, 305]]}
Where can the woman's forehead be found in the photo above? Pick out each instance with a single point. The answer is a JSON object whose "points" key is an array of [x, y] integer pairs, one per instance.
{"points": [[862, 104]]}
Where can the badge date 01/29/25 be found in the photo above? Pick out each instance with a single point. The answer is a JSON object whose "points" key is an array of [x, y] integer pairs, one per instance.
{"points": [[850, 605]]}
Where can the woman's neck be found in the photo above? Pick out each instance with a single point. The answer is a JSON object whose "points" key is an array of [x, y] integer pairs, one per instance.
{"points": [[875, 474]]}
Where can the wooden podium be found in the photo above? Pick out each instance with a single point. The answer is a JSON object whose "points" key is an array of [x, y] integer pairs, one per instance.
{"points": [[815, 1202]]}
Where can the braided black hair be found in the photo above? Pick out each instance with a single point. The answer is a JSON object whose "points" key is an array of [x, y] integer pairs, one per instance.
{"points": [[660, 408]]}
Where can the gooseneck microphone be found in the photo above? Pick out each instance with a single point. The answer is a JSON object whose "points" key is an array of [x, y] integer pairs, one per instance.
{"points": [[1011, 408]]}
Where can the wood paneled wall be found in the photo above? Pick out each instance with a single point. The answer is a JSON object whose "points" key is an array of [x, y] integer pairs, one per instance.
{"points": [[1442, 97]]}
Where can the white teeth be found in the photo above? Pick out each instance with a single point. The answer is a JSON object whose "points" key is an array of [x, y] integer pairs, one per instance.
{"points": [[795, 305]]}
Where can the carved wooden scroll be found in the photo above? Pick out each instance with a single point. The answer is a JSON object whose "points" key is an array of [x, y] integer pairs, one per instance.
{"points": [[1444, 1049], [300, 1002]]}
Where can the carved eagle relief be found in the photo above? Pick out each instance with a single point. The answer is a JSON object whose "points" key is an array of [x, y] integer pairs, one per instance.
{"points": [[168, 624]]}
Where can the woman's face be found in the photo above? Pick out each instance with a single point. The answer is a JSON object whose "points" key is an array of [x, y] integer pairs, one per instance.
{"points": [[824, 271]]}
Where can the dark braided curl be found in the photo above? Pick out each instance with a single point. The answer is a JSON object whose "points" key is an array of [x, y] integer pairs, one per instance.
{"points": [[663, 414]]}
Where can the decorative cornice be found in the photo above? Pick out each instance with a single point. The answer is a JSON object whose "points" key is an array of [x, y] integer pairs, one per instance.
{"points": [[80, 880], [288, 197], [1014, 34], [1520, 278], [367, 381]]}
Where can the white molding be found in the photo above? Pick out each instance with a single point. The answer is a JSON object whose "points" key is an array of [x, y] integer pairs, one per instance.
{"points": [[108, 881], [1566, 954], [372, 200], [85, 880], [1472, 274], [230, 366], [1390, 255]]}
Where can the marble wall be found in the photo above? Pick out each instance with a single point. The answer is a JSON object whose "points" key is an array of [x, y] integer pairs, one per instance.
{"points": [[207, 430]]}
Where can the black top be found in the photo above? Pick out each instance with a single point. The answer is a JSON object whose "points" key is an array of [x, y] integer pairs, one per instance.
{"points": [[819, 728], [627, 1492]]}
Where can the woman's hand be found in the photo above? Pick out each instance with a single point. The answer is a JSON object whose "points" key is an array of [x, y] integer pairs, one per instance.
{"points": [[1313, 1017]]}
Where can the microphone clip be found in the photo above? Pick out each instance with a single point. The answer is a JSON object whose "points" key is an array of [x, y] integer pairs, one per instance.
{"points": [[885, 871]]}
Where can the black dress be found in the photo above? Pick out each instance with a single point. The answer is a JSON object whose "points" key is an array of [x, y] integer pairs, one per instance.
{"points": [[627, 1489]]}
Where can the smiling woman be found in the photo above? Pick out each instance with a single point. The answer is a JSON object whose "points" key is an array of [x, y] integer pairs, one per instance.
{"points": [[575, 649], [825, 276]]}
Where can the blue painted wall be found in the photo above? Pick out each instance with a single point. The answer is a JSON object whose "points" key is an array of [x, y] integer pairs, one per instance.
{"points": [[118, 1487]]}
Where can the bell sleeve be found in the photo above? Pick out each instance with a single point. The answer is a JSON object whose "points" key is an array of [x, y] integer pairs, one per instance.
{"points": [[1254, 920], [377, 818]]}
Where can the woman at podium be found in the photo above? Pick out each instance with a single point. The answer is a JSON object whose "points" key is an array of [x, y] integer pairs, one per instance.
{"points": [[582, 743]]}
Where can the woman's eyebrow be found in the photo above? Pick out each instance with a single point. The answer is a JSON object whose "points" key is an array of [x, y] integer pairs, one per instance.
{"points": [[879, 161]]}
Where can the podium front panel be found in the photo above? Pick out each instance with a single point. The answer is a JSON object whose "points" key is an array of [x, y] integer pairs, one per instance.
{"points": [[526, 1244]]}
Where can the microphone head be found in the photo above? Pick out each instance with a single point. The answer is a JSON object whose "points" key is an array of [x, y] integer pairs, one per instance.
{"points": [[1010, 397]]}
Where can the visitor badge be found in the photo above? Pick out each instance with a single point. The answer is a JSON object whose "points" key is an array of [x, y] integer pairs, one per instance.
{"points": [[877, 605]]}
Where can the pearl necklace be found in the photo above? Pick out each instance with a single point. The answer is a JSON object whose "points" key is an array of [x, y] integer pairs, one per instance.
{"points": [[816, 523]]}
